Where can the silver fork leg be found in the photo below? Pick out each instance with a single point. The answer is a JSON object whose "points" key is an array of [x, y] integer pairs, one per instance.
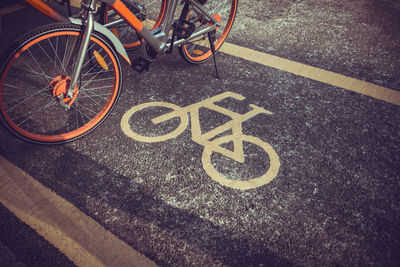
{"points": [[81, 53]]}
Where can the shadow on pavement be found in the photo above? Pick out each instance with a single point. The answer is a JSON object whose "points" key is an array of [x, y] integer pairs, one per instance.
{"points": [[75, 177]]}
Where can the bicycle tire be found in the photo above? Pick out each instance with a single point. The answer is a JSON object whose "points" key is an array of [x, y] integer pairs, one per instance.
{"points": [[29, 106], [151, 16], [198, 50]]}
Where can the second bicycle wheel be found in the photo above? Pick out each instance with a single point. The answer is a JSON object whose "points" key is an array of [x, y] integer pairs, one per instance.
{"points": [[198, 50], [38, 69], [150, 13]]}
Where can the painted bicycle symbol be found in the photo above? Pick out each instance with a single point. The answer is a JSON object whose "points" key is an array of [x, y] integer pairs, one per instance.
{"points": [[210, 140]]}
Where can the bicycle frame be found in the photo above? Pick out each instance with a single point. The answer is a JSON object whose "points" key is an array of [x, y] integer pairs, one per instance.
{"points": [[156, 39]]}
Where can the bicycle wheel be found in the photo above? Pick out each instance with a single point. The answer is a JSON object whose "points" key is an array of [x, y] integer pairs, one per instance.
{"points": [[38, 69], [160, 127], [150, 13], [198, 50]]}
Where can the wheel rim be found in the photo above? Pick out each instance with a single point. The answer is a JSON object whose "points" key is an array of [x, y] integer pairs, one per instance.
{"points": [[29, 106]]}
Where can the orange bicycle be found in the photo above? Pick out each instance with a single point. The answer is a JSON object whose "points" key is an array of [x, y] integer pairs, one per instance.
{"points": [[150, 13], [61, 81]]}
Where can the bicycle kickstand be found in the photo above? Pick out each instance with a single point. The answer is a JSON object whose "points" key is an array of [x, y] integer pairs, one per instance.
{"points": [[211, 39]]}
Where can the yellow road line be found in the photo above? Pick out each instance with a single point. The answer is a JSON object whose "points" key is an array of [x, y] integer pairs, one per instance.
{"points": [[317, 74], [80, 238], [75, 3]]}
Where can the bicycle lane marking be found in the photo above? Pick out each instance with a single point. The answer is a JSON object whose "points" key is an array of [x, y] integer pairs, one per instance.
{"points": [[206, 139], [80, 238], [362, 87]]}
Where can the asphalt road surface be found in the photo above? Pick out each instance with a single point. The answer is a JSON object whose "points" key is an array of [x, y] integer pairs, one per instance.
{"points": [[326, 150]]}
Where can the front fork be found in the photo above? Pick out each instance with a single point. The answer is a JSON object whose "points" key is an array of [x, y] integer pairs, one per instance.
{"points": [[89, 25]]}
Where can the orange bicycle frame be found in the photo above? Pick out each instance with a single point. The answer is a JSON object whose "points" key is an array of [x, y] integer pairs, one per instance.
{"points": [[45, 9], [127, 15]]}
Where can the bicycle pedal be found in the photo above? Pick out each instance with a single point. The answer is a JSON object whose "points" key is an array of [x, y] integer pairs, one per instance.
{"points": [[140, 64], [184, 29]]}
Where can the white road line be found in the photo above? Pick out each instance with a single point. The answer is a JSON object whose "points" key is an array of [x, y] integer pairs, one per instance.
{"points": [[80, 238]]}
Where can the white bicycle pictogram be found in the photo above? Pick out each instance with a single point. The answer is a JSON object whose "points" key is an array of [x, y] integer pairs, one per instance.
{"points": [[210, 141]]}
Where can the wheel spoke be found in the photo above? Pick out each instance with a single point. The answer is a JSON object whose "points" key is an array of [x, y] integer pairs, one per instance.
{"points": [[96, 76], [40, 68], [31, 115], [27, 101], [79, 107], [28, 97], [57, 58]]}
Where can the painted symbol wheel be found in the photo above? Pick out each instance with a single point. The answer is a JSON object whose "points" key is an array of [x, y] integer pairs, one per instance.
{"points": [[241, 184], [151, 138]]}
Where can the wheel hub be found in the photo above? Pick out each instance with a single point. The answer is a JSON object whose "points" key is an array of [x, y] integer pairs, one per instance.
{"points": [[60, 85]]}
